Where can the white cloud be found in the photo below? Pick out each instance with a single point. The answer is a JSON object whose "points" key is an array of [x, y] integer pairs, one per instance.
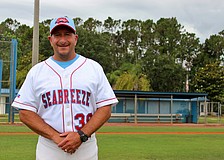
{"points": [[203, 17]]}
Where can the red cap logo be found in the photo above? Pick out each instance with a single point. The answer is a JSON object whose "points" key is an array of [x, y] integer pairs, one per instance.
{"points": [[61, 20]]}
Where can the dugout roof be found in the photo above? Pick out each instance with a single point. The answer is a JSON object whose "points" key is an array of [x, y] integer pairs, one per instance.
{"points": [[146, 94]]}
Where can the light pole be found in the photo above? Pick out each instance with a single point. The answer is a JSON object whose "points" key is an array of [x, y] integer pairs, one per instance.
{"points": [[187, 81], [35, 48], [188, 68]]}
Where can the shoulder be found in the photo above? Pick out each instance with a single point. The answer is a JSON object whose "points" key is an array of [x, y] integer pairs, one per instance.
{"points": [[39, 65], [92, 63], [37, 68]]}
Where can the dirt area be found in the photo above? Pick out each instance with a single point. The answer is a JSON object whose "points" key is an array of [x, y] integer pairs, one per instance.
{"points": [[133, 124]]}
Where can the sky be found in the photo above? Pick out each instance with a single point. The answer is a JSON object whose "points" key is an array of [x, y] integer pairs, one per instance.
{"points": [[202, 17]]}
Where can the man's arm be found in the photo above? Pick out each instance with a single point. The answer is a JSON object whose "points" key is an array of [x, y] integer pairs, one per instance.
{"points": [[99, 118], [37, 124], [72, 140]]}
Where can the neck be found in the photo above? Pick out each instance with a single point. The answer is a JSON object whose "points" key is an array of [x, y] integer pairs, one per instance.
{"points": [[64, 58]]}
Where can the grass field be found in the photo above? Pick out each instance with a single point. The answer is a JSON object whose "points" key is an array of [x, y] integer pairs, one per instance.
{"points": [[131, 145]]}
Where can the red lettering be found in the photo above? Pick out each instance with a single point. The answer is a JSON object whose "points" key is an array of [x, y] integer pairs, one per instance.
{"points": [[44, 101], [75, 96], [60, 96], [78, 101], [66, 96], [54, 101], [81, 118], [83, 97], [88, 117], [48, 95], [87, 99], [72, 95]]}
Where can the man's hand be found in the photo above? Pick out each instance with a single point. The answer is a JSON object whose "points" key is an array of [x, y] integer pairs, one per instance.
{"points": [[57, 138], [71, 142]]}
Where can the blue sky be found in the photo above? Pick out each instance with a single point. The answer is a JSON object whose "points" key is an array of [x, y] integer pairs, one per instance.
{"points": [[202, 17]]}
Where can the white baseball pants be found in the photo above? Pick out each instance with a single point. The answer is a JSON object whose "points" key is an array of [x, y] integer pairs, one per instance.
{"points": [[48, 150]]}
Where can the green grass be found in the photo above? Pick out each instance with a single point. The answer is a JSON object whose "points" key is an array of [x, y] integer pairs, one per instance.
{"points": [[18, 147], [4, 118], [160, 147], [160, 129], [129, 146], [12, 128], [211, 120]]}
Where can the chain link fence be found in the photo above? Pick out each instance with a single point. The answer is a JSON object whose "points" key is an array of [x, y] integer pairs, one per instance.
{"points": [[211, 113], [8, 60]]}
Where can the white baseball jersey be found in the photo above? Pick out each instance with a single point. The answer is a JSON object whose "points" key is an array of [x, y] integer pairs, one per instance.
{"points": [[66, 98]]}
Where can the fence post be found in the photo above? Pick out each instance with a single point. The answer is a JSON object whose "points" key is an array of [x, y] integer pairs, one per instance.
{"points": [[1, 69], [12, 89]]}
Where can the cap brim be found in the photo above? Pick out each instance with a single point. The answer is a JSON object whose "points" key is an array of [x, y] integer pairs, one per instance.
{"points": [[52, 30]]}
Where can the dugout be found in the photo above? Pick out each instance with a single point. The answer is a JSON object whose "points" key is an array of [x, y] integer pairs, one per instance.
{"points": [[170, 107]]}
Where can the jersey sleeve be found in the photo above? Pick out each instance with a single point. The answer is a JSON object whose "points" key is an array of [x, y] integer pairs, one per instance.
{"points": [[105, 94], [25, 98]]}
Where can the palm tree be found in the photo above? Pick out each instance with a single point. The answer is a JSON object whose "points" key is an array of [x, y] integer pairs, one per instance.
{"points": [[129, 77]]}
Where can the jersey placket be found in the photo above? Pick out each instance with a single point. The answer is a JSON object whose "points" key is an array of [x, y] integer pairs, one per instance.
{"points": [[67, 109]]}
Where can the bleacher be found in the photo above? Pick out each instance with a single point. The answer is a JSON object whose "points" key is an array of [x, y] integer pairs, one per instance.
{"points": [[130, 118]]}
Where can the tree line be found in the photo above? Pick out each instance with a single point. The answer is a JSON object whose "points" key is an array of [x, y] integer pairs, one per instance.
{"points": [[158, 56]]}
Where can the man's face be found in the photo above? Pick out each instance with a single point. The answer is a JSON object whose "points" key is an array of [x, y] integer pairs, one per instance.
{"points": [[63, 40]]}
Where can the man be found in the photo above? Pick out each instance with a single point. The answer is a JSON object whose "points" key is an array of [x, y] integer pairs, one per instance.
{"points": [[65, 99]]}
